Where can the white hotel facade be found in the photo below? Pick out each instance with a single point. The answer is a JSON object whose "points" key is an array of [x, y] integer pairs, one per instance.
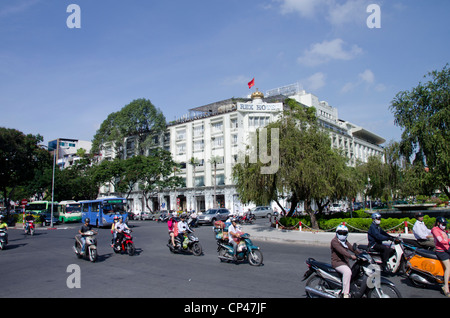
{"points": [[221, 130]]}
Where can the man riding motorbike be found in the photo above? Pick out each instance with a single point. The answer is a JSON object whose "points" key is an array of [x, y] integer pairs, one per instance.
{"points": [[84, 228], [234, 236], [119, 228], [28, 218], [376, 236]]}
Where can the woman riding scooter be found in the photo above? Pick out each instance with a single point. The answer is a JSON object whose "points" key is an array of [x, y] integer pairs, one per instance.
{"points": [[441, 241]]}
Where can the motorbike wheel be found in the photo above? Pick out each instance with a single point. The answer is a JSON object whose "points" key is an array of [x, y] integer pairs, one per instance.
{"points": [[31, 232], [2, 245], [222, 254], [196, 249], [131, 249], [78, 249], [387, 291], [317, 283], [92, 255], [255, 258]]}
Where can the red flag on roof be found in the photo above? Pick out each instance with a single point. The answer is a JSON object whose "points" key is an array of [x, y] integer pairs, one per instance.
{"points": [[251, 83]]}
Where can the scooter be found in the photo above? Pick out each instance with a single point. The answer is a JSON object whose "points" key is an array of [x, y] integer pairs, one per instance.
{"points": [[189, 244], [245, 251], [401, 249], [425, 269], [29, 227], [366, 280], [90, 247], [126, 245], [3, 238]]}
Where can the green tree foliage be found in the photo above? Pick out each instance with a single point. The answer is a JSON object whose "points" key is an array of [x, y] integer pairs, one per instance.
{"points": [[140, 119], [424, 115], [21, 158], [309, 168]]}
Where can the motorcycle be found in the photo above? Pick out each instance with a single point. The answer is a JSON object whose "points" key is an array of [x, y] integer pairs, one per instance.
{"points": [[248, 218], [90, 247], [401, 250], [189, 244], [29, 228], [3, 238], [192, 222], [245, 251], [126, 245], [366, 280], [425, 269]]}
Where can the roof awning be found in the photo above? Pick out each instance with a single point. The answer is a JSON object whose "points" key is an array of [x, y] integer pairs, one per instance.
{"points": [[371, 137]]}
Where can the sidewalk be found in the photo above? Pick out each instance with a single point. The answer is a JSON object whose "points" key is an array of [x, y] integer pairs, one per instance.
{"points": [[263, 232]]}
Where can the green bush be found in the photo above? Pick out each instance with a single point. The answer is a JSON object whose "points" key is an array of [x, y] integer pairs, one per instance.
{"points": [[356, 224]]}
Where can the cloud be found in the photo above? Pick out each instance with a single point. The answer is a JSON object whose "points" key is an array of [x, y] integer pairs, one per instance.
{"points": [[336, 12], [368, 78], [316, 81], [306, 8], [320, 53], [17, 8]]}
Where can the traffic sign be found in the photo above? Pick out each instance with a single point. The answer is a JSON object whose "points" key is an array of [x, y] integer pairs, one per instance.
{"points": [[24, 202]]}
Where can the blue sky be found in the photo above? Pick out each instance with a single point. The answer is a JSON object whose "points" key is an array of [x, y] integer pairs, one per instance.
{"points": [[61, 82]]}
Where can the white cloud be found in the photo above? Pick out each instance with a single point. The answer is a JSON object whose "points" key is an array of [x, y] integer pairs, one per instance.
{"points": [[326, 51], [337, 12], [17, 8], [368, 78], [306, 8], [316, 81]]}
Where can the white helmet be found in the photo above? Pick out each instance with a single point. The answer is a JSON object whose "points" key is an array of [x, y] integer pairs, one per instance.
{"points": [[342, 232]]}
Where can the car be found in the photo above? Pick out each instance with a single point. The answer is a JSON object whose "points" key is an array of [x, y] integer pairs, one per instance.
{"points": [[262, 211], [213, 215], [145, 215]]}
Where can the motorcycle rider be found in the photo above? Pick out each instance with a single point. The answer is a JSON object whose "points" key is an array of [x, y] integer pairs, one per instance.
{"points": [[441, 241], [183, 227], [234, 236], [422, 233], [113, 230], [171, 224], [28, 218], [84, 228], [376, 236], [120, 227], [3, 225], [340, 256]]}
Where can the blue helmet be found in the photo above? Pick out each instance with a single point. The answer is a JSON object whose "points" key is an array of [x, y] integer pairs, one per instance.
{"points": [[376, 215]]}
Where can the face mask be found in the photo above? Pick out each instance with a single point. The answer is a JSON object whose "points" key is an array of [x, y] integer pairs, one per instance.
{"points": [[342, 238], [442, 227], [377, 222]]}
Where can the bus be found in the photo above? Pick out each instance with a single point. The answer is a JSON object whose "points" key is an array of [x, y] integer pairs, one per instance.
{"points": [[43, 211], [101, 212], [69, 211]]}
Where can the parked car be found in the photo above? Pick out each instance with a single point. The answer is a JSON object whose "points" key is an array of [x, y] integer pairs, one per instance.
{"points": [[212, 215], [262, 211], [145, 215]]}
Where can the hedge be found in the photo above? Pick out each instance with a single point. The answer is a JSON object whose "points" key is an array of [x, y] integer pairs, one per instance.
{"points": [[355, 224]]}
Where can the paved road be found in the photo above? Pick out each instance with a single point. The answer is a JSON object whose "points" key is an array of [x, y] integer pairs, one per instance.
{"points": [[38, 267]]}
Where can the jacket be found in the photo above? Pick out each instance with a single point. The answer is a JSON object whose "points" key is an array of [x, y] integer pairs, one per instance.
{"points": [[377, 235], [339, 254]]}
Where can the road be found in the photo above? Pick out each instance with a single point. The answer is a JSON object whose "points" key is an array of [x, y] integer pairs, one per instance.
{"points": [[42, 266]]}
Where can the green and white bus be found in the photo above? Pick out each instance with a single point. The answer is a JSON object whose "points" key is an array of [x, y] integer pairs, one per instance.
{"points": [[69, 211]]}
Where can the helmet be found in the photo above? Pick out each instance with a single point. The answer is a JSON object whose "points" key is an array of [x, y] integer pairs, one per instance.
{"points": [[342, 232], [116, 218], [87, 220], [441, 220], [376, 215]]}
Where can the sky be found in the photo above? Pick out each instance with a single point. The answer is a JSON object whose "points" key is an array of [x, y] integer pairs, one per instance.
{"points": [[61, 79]]}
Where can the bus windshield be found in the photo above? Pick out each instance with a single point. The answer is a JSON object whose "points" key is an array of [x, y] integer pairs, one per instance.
{"points": [[36, 207], [73, 208], [114, 207]]}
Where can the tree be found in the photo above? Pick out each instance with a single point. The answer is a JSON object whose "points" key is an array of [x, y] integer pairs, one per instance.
{"points": [[21, 157], [424, 115], [139, 119], [310, 170]]}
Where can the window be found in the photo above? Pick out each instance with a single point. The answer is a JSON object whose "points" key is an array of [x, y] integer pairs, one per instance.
{"points": [[217, 127], [181, 149], [181, 134], [199, 145], [198, 131]]}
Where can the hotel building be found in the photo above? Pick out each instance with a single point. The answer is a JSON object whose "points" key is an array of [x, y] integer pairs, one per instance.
{"points": [[214, 135]]}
